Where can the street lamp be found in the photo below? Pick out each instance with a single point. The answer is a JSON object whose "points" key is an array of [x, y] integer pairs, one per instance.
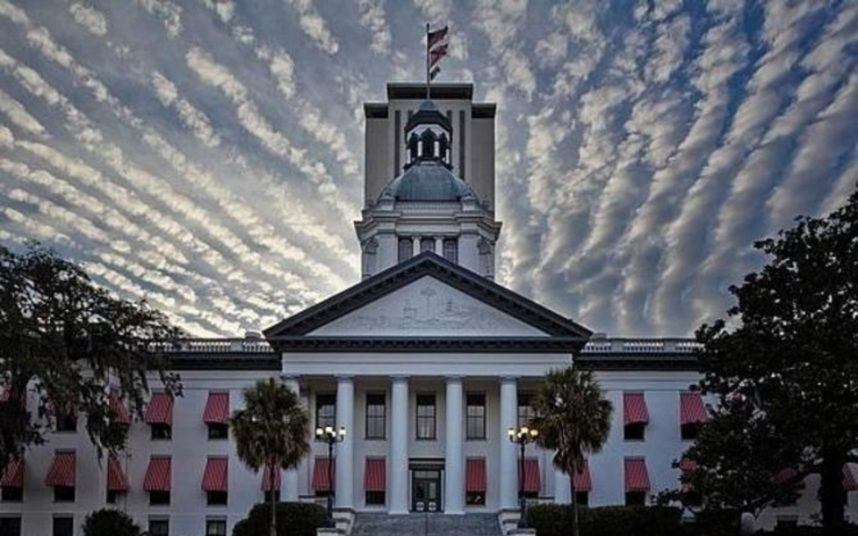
{"points": [[330, 436], [522, 436]]}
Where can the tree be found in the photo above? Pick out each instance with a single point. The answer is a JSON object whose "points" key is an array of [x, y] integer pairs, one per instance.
{"points": [[65, 340], [573, 418], [107, 522], [786, 369], [271, 431]]}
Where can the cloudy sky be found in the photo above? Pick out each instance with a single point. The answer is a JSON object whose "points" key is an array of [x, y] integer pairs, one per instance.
{"points": [[207, 155]]}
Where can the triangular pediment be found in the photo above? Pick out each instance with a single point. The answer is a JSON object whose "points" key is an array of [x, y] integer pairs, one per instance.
{"points": [[426, 302], [428, 307]]}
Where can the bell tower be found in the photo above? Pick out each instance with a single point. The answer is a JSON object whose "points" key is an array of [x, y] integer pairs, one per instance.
{"points": [[429, 183]]}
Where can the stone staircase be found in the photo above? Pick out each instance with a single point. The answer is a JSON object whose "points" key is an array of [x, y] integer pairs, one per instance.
{"points": [[426, 525]]}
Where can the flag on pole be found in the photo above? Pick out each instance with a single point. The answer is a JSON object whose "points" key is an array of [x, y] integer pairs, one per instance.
{"points": [[436, 37], [436, 54], [434, 73]]}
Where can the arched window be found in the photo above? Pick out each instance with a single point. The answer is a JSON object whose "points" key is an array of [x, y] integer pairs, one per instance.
{"points": [[451, 250]]}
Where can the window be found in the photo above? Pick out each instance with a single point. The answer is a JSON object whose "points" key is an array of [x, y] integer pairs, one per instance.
{"points": [[159, 498], [451, 250], [112, 496], [426, 416], [10, 526], [12, 494], [525, 409], [218, 431], [427, 244], [475, 416], [159, 527], [216, 498], [326, 410], [161, 431], [375, 416], [63, 493], [67, 422], [405, 249], [634, 431], [276, 496], [582, 498], [475, 498], [375, 498], [64, 526], [689, 431], [215, 527], [635, 498]]}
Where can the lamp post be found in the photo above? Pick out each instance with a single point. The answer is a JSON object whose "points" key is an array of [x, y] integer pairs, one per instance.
{"points": [[522, 436], [330, 436]]}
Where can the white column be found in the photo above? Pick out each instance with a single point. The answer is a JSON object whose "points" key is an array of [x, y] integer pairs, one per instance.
{"points": [[562, 489], [415, 245], [344, 454], [454, 474], [439, 245], [290, 478], [398, 460], [508, 467]]}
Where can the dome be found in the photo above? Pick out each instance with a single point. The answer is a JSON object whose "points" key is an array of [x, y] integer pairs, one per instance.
{"points": [[428, 181]]}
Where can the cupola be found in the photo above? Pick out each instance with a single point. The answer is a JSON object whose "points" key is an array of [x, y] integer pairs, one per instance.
{"points": [[428, 133]]}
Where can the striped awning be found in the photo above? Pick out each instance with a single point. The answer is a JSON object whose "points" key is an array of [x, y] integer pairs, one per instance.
{"points": [[475, 475], [637, 478], [13, 474], [375, 475], [531, 475], [120, 412], [116, 480], [850, 477], [266, 478], [691, 408], [216, 474], [158, 474], [320, 474], [634, 408], [160, 409], [217, 409], [62, 471], [583, 482]]}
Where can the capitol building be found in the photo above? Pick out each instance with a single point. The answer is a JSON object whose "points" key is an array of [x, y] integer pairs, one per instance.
{"points": [[426, 362]]}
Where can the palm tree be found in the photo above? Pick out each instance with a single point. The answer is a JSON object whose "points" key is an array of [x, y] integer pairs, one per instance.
{"points": [[573, 418], [271, 432]]}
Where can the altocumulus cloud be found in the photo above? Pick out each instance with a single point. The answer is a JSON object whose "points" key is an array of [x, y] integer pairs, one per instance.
{"points": [[206, 155]]}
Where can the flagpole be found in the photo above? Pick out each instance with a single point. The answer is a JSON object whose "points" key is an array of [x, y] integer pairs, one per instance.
{"points": [[428, 94]]}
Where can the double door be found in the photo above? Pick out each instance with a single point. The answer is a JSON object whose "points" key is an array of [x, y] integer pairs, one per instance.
{"points": [[426, 490]]}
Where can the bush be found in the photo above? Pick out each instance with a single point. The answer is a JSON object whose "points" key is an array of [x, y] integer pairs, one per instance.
{"points": [[107, 522], [849, 530], [556, 520], [293, 519]]}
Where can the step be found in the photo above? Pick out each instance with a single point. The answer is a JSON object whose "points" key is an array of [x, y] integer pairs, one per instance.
{"points": [[426, 525]]}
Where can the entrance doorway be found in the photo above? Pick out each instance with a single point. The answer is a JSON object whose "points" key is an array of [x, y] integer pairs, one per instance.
{"points": [[426, 490]]}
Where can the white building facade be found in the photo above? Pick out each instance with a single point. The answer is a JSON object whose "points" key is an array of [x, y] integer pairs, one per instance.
{"points": [[426, 363]]}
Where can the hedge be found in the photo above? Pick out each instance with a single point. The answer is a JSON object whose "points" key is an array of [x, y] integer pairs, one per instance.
{"points": [[556, 520], [109, 522], [293, 519]]}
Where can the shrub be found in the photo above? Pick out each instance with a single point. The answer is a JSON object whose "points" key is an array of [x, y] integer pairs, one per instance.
{"points": [[849, 530], [556, 520], [107, 522], [293, 519]]}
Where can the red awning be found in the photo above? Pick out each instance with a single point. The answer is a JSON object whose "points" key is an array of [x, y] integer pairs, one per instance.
{"points": [[691, 408], [216, 475], [158, 474], [160, 409], [62, 471], [120, 412], [583, 482], [116, 480], [531, 475], [475, 475], [13, 474], [374, 476], [266, 478], [850, 477], [217, 409], [320, 474], [637, 478], [634, 408]]}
